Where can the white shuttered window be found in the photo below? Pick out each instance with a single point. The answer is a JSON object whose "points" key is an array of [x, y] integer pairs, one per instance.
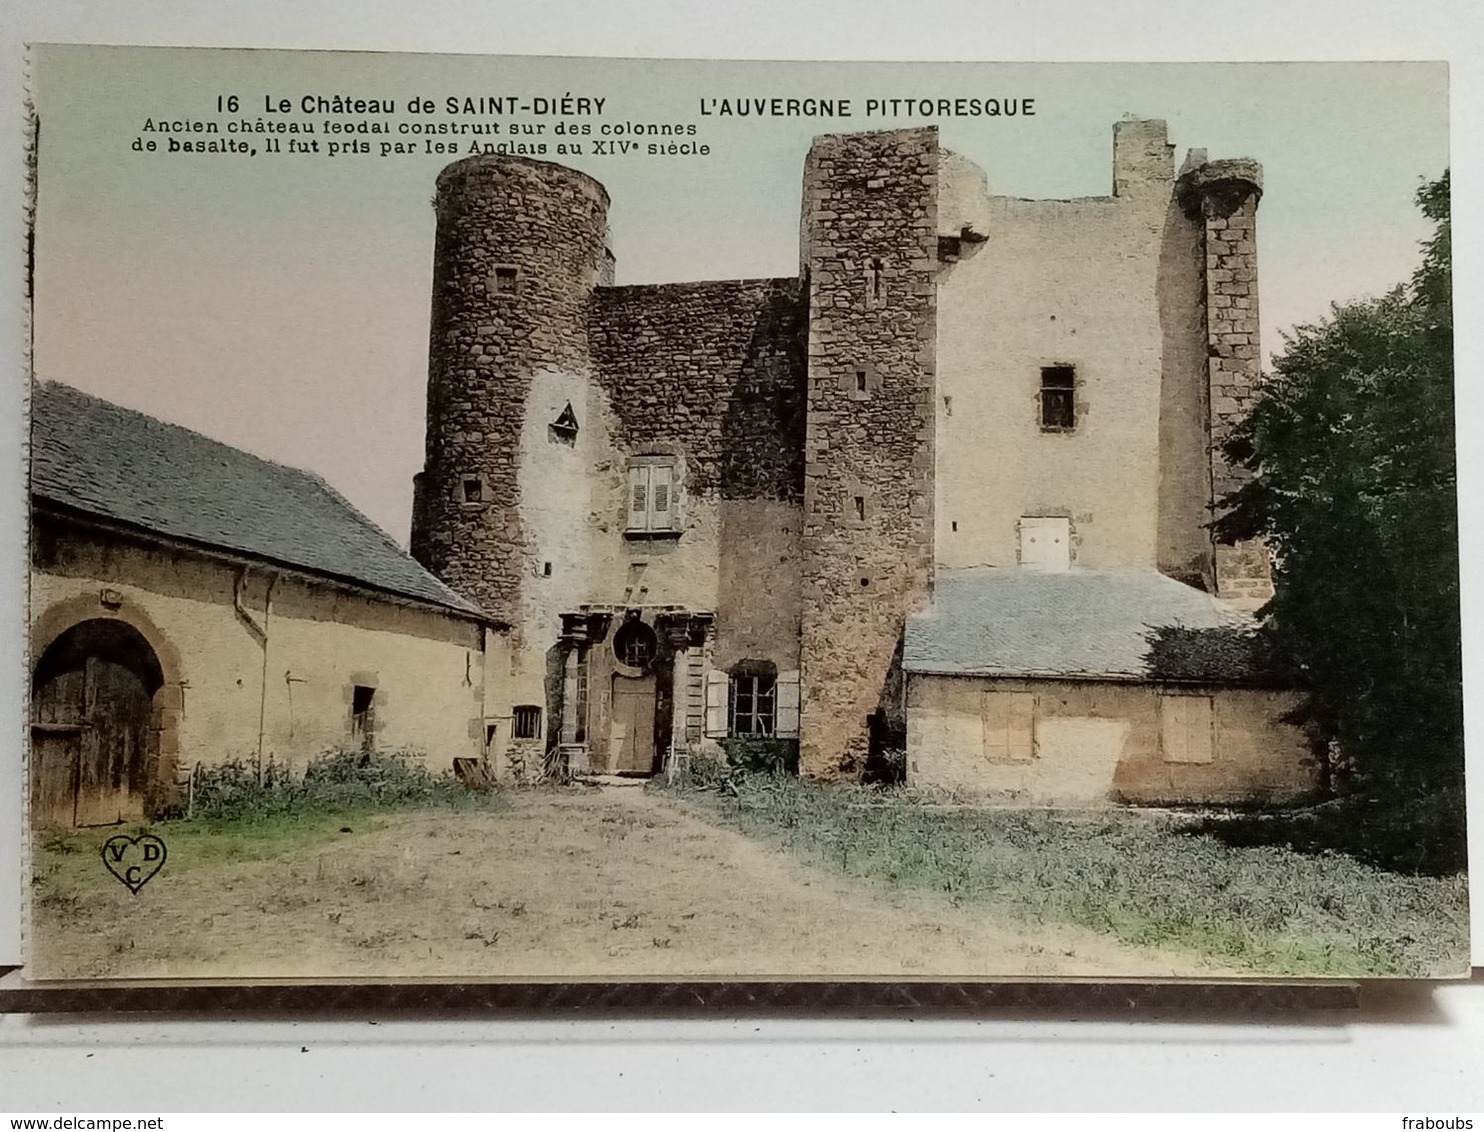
{"points": [[652, 497]]}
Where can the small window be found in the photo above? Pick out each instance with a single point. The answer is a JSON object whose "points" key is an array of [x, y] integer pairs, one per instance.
{"points": [[860, 381], [1058, 398], [754, 705], [527, 722], [859, 503], [473, 488], [652, 497], [635, 644], [363, 714], [565, 426], [505, 279], [878, 269]]}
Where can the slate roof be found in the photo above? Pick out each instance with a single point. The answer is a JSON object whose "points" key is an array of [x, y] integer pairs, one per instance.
{"points": [[1079, 624], [119, 465]]}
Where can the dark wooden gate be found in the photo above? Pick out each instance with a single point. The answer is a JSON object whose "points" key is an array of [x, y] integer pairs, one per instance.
{"points": [[90, 740]]}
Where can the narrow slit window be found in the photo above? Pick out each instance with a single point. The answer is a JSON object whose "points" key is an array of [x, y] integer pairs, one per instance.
{"points": [[860, 508], [363, 714], [1058, 393], [860, 381], [877, 267]]}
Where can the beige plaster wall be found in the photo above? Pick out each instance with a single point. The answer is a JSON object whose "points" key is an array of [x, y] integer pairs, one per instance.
{"points": [[1056, 282], [427, 667], [1098, 743]]}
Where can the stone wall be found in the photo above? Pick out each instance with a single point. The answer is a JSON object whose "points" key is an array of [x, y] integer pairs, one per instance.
{"points": [[1098, 743], [1223, 195], [716, 368], [714, 372], [519, 248], [870, 244]]}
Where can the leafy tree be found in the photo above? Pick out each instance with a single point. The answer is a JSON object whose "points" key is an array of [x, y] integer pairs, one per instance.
{"points": [[1351, 450]]}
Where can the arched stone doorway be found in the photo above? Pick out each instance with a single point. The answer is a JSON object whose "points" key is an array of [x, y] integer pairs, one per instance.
{"points": [[95, 725]]}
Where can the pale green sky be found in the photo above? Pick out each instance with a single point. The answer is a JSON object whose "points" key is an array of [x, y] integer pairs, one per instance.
{"points": [[281, 303]]}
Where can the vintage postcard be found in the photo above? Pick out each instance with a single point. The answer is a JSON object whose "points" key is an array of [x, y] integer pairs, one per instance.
{"points": [[571, 519]]}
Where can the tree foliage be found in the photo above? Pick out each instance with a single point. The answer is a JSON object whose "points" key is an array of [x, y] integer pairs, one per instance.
{"points": [[1351, 450]]}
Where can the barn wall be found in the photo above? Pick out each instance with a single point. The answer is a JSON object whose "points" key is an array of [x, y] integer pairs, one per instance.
{"points": [[1091, 743], [426, 667]]}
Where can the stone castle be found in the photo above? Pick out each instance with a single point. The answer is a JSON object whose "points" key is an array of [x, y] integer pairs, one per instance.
{"points": [[714, 512]]}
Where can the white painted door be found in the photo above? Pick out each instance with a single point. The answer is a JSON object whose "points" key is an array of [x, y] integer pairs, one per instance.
{"points": [[1045, 542]]}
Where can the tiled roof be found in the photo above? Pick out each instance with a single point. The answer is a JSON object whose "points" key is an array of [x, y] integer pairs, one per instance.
{"points": [[93, 456], [1077, 624]]}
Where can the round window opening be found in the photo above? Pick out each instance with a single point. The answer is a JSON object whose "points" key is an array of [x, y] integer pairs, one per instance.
{"points": [[635, 644]]}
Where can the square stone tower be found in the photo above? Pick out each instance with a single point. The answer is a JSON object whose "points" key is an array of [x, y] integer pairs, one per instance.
{"points": [[870, 256]]}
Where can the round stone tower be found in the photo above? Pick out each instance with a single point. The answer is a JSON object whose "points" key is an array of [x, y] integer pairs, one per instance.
{"points": [[520, 245]]}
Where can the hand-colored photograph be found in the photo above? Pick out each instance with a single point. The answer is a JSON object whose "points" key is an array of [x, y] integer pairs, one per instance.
{"points": [[524, 518]]}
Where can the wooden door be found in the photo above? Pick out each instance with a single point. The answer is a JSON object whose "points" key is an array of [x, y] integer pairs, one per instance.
{"points": [[114, 746], [89, 746], [631, 728], [55, 754]]}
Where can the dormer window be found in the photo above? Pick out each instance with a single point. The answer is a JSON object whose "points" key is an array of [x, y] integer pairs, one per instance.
{"points": [[564, 428]]}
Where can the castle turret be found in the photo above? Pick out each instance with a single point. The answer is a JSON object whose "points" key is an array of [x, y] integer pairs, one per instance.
{"points": [[870, 242], [520, 246], [1221, 197]]}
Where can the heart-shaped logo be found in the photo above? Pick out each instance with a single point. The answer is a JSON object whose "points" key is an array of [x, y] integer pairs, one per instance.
{"points": [[134, 860]]}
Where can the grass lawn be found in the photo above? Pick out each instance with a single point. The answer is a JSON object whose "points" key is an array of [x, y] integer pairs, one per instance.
{"points": [[66, 871], [1143, 877]]}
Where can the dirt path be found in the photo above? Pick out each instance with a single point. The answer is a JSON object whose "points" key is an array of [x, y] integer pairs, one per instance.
{"points": [[611, 883]]}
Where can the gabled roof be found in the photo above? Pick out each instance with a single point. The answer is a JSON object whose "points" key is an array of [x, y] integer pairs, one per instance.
{"points": [[1077, 624], [90, 455]]}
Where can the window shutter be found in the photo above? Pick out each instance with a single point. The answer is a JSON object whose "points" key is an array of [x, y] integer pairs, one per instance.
{"points": [[639, 497], [1009, 721], [661, 498], [788, 705], [1186, 729], [716, 705]]}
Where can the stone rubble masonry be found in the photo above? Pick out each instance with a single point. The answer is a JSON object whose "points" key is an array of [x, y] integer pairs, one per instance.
{"points": [[716, 368], [870, 209], [1224, 195], [491, 331]]}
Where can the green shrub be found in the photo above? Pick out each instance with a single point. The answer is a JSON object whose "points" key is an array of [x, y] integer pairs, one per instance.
{"points": [[335, 781], [762, 755]]}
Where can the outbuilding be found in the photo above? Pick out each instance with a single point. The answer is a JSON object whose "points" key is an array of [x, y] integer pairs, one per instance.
{"points": [[1084, 688], [192, 603]]}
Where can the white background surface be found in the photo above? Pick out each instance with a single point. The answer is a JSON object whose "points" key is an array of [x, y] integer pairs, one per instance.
{"points": [[1408, 1050]]}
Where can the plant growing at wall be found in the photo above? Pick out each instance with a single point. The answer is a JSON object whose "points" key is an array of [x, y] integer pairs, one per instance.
{"points": [[762, 755], [1351, 451]]}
